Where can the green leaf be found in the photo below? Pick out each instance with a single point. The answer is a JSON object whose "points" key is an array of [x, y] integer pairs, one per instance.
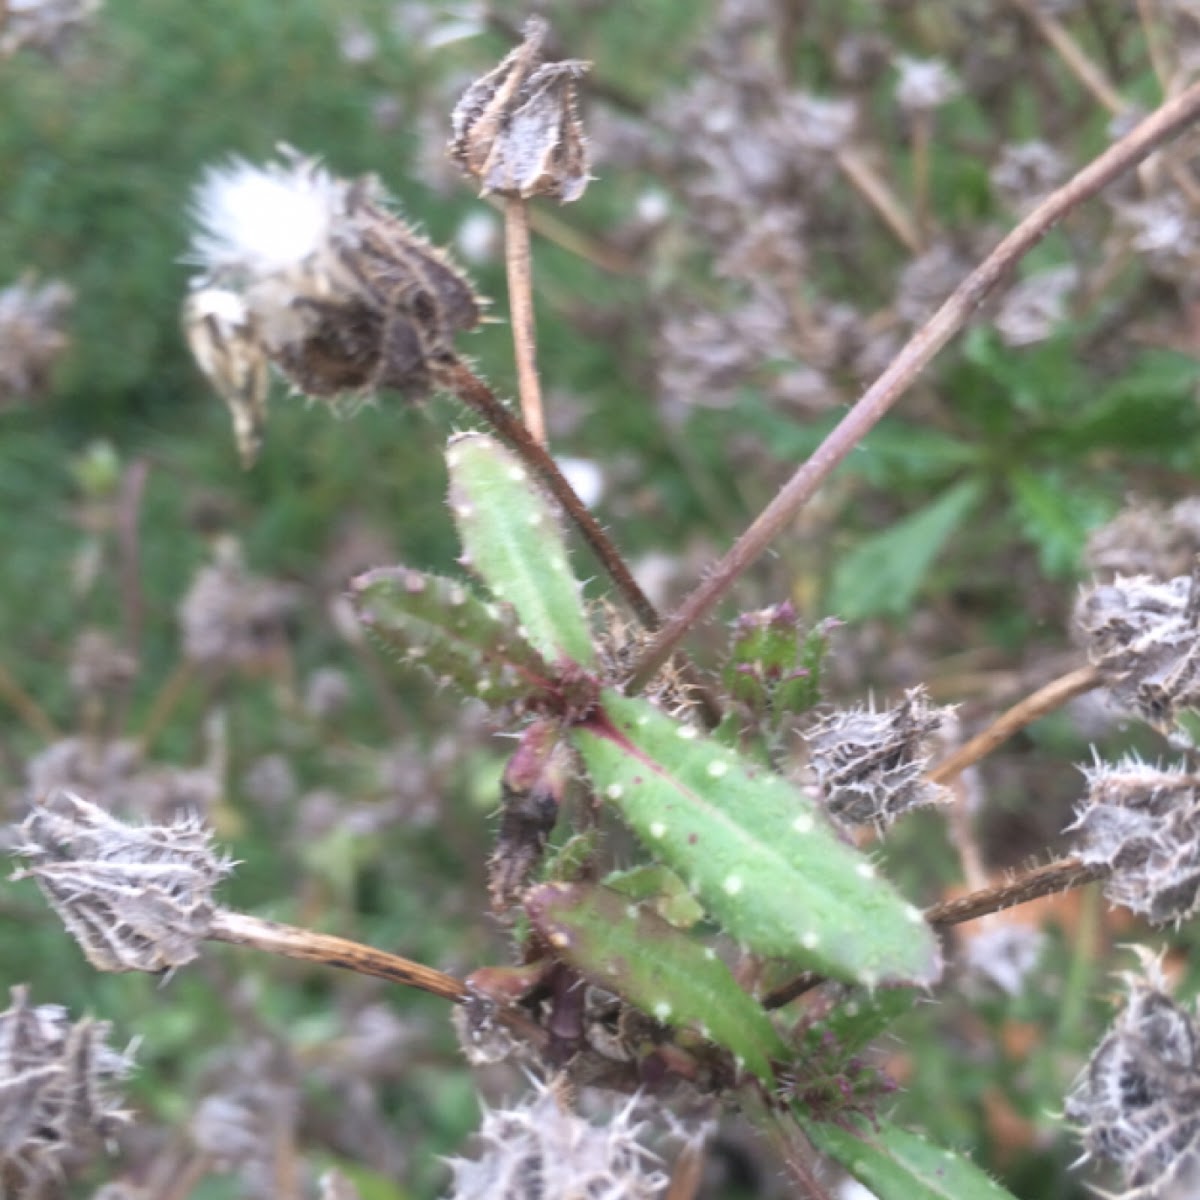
{"points": [[440, 625], [1056, 518], [630, 949], [898, 1165], [661, 889], [755, 850], [883, 573], [512, 539]]}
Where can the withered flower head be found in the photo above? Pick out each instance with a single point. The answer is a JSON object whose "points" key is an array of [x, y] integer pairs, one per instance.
{"points": [[870, 765], [1144, 635], [1144, 823], [56, 1093], [32, 337], [135, 898], [541, 1148], [517, 130], [1137, 1101], [318, 277]]}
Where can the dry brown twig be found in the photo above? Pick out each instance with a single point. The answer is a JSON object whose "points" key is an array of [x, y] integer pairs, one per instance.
{"points": [[1166, 122]]}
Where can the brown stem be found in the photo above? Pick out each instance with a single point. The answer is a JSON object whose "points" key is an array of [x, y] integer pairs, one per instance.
{"points": [[1164, 123], [922, 147], [290, 941], [518, 261], [1062, 875], [1032, 708], [875, 191], [26, 707]]}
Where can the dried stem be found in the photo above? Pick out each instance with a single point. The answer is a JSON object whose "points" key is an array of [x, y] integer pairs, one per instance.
{"points": [[518, 261], [290, 941], [922, 155], [1032, 708], [26, 707], [875, 191], [1062, 875], [1164, 123]]}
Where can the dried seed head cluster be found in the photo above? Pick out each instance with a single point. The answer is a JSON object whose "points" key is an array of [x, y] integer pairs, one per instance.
{"points": [[32, 337], [135, 898], [1138, 1099], [1144, 823], [870, 766], [57, 1098], [43, 25], [1147, 539], [1144, 635], [316, 276], [232, 619], [540, 1148], [517, 130]]}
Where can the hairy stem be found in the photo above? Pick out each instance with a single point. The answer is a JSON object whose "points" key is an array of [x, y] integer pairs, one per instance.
{"points": [[1166, 122], [290, 941], [1032, 708], [518, 262]]}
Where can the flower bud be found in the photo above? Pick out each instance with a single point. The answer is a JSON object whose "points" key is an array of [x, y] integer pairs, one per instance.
{"points": [[517, 130]]}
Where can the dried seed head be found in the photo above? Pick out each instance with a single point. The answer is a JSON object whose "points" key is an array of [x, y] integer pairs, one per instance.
{"points": [[540, 1148], [1026, 173], [1033, 310], [317, 276], [1003, 953], [32, 337], [135, 898], [1144, 635], [41, 25], [99, 665], [1146, 539], [233, 620], [1144, 823], [924, 84], [517, 130], [1138, 1099], [57, 1102], [870, 765]]}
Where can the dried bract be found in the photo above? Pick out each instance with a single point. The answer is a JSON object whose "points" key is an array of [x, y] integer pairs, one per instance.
{"points": [[1144, 635], [517, 130], [57, 1102], [540, 1148], [32, 338], [870, 765], [135, 898], [1144, 823], [317, 276], [1138, 1099]]}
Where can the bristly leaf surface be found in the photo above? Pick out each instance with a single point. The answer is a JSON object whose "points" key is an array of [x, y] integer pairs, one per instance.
{"points": [[898, 1165], [441, 625], [512, 540], [629, 949], [756, 851]]}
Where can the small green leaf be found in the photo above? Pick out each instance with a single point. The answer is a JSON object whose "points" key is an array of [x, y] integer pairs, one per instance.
{"points": [[661, 889], [511, 538], [440, 625], [755, 850], [626, 947], [883, 573], [898, 1165], [1056, 517]]}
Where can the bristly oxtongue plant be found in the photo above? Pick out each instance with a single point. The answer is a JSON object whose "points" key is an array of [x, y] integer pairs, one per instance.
{"points": [[736, 848]]}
